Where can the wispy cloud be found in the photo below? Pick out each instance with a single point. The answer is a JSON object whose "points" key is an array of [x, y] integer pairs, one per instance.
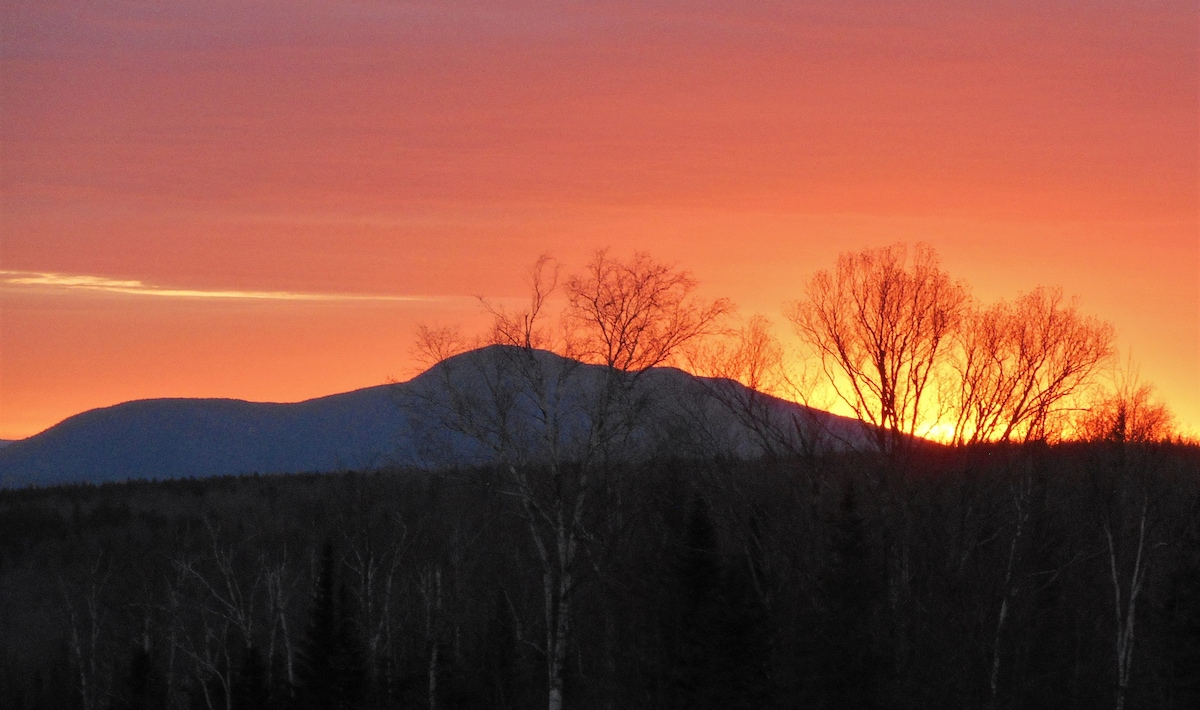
{"points": [[77, 282]]}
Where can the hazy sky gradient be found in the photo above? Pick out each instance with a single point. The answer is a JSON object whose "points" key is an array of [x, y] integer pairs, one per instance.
{"points": [[434, 150]]}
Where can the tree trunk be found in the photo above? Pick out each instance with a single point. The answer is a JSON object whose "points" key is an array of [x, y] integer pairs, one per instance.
{"points": [[1125, 615]]}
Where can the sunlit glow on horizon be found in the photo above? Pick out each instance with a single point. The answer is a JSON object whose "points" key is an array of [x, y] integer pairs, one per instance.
{"points": [[941, 432]]}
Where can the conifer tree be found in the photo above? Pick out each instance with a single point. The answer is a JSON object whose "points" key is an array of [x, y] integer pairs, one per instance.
{"points": [[1182, 637], [250, 691], [721, 648], [317, 673], [331, 670], [698, 576], [850, 669], [351, 656], [145, 687], [741, 680]]}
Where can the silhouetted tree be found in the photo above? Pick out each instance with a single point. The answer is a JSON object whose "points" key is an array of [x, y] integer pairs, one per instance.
{"points": [[880, 324], [721, 647], [1180, 626], [636, 314], [1017, 364], [331, 674], [697, 634], [742, 680], [250, 689], [1127, 411], [317, 674], [498, 668], [851, 668], [554, 426], [145, 686]]}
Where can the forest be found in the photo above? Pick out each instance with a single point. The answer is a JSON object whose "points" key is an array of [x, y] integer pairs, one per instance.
{"points": [[1005, 526], [995, 576]]}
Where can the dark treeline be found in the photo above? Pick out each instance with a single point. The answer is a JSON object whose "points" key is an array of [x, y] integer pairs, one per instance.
{"points": [[995, 577]]}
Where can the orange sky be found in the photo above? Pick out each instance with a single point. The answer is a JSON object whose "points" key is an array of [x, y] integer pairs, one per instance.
{"points": [[432, 150]]}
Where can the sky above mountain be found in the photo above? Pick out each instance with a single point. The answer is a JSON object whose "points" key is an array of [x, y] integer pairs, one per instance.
{"points": [[260, 199]]}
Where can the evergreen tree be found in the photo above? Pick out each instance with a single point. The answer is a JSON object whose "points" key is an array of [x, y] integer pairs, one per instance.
{"points": [[1044, 668], [850, 668], [1181, 630], [498, 674], [317, 674], [721, 648], [145, 688], [250, 691], [740, 675], [1043, 671], [331, 670], [351, 656], [699, 613]]}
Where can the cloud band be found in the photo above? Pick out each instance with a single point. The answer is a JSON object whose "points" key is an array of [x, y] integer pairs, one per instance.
{"points": [[79, 282]]}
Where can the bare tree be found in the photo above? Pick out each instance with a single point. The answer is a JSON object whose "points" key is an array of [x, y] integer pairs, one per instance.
{"points": [[280, 584], [212, 588], [201, 634], [1021, 365], [85, 613], [634, 315], [1128, 410], [523, 328], [1127, 587], [1021, 494], [747, 374], [431, 592], [880, 325], [437, 344], [513, 403], [373, 557], [548, 421], [985, 372]]}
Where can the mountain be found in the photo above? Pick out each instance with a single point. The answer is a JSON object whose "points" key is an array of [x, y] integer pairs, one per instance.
{"points": [[407, 424]]}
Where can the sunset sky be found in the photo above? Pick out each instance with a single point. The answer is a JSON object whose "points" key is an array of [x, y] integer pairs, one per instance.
{"points": [[261, 199]]}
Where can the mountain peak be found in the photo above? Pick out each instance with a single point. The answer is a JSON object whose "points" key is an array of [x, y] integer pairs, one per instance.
{"points": [[364, 429]]}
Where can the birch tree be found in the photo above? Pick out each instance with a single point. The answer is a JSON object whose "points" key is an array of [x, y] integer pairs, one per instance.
{"points": [[85, 614], [880, 325], [224, 596], [1019, 365], [1128, 582], [550, 421], [637, 314], [748, 376]]}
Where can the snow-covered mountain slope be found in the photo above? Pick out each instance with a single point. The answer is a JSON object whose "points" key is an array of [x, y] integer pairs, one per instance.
{"points": [[470, 409], [178, 438]]}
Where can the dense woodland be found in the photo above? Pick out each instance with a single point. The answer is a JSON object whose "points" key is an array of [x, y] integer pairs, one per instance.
{"points": [[998, 576]]}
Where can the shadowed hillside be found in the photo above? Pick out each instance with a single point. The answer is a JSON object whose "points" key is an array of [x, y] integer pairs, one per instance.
{"points": [[361, 430]]}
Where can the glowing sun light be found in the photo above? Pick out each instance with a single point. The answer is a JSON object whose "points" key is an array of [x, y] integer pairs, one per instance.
{"points": [[941, 432]]}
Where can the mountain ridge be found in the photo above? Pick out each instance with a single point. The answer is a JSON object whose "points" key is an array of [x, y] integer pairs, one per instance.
{"points": [[367, 428]]}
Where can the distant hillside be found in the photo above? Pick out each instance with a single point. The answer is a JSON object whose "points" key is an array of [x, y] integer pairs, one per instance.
{"points": [[365, 429], [177, 438]]}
